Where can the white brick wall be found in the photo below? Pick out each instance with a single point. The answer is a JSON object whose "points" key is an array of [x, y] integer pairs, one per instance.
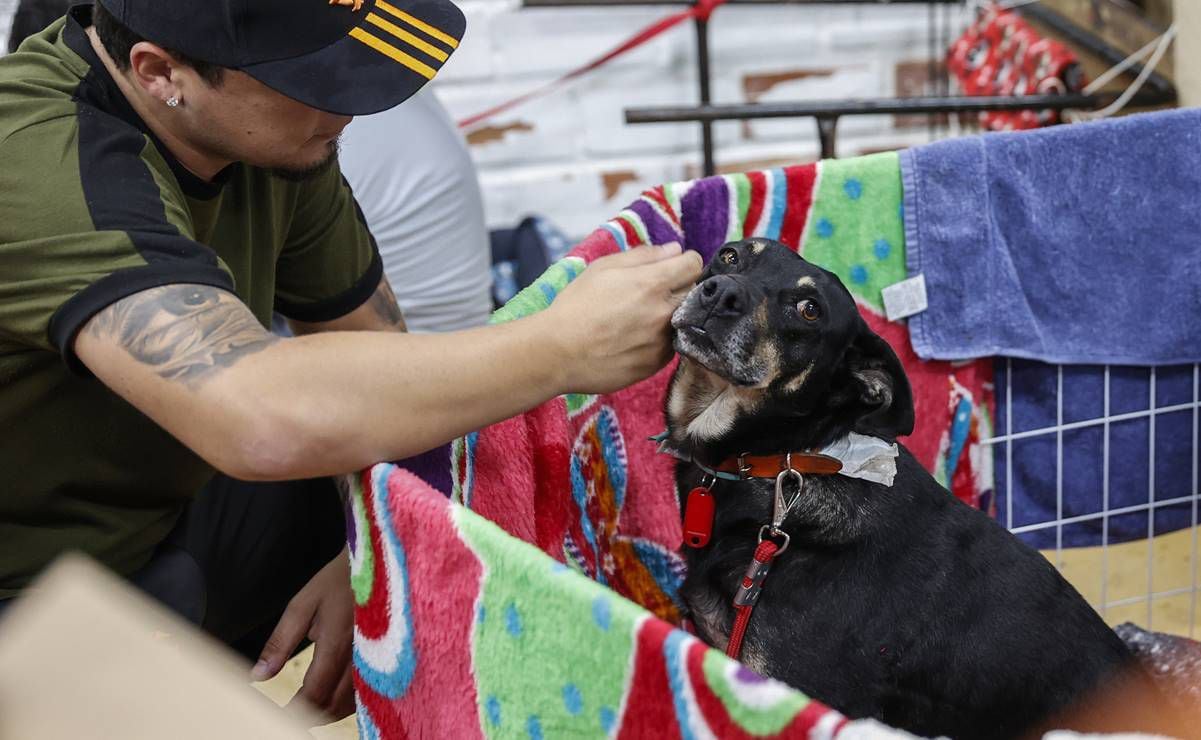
{"points": [[569, 156]]}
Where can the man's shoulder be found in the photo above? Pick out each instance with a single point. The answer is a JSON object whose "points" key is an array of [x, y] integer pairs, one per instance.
{"points": [[39, 85], [80, 159]]}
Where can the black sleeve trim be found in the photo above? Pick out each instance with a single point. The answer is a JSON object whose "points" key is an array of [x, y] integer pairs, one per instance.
{"points": [[339, 305], [72, 315]]}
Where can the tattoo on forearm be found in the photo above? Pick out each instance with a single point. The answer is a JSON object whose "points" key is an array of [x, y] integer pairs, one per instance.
{"points": [[383, 302], [185, 332]]}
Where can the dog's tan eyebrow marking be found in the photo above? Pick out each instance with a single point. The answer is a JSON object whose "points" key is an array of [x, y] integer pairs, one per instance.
{"points": [[795, 384], [806, 282], [757, 247]]}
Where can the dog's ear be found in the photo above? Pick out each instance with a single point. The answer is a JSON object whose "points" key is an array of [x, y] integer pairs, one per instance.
{"points": [[884, 392]]}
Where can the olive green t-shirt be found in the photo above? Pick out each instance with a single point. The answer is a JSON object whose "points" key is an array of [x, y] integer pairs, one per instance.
{"points": [[93, 209]]}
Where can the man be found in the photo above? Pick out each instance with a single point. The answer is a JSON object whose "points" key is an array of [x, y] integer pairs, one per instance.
{"points": [[169, 178]]}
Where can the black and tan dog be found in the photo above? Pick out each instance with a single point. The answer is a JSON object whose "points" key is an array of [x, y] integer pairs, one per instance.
{"points": [[896, 602]]}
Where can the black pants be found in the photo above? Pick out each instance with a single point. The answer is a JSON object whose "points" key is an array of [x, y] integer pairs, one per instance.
{"points": [[241, 551]]}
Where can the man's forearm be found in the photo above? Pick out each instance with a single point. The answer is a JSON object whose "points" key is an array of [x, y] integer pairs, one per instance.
{"points": [[193, 359], [260, 407], [349, 399]]}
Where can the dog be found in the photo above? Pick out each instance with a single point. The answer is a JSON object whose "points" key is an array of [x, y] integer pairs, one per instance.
{"points": [[895, 602]]}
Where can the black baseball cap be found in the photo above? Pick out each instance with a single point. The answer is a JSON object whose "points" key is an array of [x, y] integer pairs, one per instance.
{"points": [[350, 57]]}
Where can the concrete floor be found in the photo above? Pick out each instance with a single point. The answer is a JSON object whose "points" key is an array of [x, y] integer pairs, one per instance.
{"points": [[1121, 573]]}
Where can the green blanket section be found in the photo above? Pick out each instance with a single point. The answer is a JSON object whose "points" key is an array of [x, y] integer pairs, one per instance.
{"points": [[534, 613], [856, 228]]}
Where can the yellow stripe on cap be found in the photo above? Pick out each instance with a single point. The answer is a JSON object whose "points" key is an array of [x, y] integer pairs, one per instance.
{"points": [[407, 37], [388, 50], [445, 38]]}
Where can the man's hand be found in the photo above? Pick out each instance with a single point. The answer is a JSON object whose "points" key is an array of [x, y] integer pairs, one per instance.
{"points": [[614, 320], [323, 611]]}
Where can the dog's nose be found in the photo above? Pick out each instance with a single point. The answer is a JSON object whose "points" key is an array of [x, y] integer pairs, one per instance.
{"points": [[722, 295]]}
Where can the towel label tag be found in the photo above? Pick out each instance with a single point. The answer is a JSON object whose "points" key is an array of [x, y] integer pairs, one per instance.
{"points": [[905, 298]]}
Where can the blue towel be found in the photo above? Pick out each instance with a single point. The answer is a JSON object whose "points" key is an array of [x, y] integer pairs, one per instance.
{"points": [[1073, 244]]}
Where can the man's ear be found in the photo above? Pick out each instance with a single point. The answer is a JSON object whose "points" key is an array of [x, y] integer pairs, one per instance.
{"points": [[151, 67], [886, 401]]}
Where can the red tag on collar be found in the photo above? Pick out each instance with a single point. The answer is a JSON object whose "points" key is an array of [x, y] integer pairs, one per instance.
{"points": [[698, 517]]}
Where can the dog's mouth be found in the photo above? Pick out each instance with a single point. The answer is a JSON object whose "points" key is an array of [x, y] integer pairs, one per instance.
{"points": [[693, 341], [690, 340], [688, 333]]}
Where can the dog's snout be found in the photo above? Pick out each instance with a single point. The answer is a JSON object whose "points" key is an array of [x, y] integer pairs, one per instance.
{"points": [[723, 295]]}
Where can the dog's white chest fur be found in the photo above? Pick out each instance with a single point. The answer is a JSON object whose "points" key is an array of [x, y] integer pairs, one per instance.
{"points": [[716, 418], [707, 405]]}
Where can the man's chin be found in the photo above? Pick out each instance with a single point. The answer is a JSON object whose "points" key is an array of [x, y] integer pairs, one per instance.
{"points": [[300, 174]]}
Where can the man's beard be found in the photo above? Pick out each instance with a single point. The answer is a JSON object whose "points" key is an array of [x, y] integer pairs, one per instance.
{"points": [[314, 170]]}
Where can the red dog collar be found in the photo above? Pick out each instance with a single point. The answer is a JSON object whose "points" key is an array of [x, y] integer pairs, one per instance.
{"points": [[770, 466]]}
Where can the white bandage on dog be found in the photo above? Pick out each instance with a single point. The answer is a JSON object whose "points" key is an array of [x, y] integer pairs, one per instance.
{"points": [[869, 458]]}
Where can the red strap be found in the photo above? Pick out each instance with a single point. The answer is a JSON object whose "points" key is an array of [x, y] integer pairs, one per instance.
{"points": [[764, 553], [704, 8], [741, 619], [701, 11]]}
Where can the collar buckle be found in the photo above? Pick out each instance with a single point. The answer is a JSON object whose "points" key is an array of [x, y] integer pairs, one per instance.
{"points": [[744, 468]]}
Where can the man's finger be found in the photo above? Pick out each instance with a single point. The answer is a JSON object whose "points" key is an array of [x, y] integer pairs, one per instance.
{"points": [[321, 679], [678, 273], [342, 703], [637, 256], [283, 641]]}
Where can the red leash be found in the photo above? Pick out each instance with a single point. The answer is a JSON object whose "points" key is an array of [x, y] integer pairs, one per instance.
{"points": [[748, 593], [700, 11], [700, 508], [765, 554]]}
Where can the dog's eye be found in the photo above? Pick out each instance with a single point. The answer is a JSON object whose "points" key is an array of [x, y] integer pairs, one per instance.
{"points": [[728, 256], [809, 310]]}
